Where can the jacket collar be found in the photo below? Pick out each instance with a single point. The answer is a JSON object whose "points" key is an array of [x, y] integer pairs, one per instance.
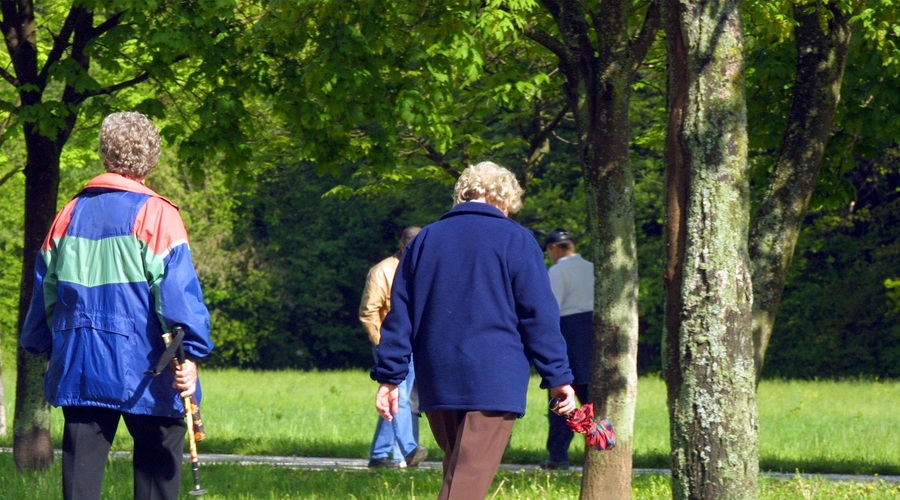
{"points": [[474, 207], [118, 182]]}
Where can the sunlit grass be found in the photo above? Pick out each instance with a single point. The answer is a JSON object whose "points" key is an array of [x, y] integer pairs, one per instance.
{"points": [[827, 426], [819, 427], [810, 426], [253, 482]]}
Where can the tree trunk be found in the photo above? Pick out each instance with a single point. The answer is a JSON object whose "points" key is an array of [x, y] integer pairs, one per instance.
{"points": [[822, 48], [44, 140], [609, 182], [708, 350], [613, 387], [32, 448], [598, 90]]}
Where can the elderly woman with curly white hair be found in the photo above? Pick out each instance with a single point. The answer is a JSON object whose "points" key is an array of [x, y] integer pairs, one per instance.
{"points": [[472, 302], [114, 273]]}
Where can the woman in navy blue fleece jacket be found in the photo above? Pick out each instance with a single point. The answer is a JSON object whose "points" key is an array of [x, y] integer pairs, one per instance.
{"points": [[472, 301]]}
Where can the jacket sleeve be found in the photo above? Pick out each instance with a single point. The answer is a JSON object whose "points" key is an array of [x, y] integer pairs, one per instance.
{"points": [[173, 278], [395, 349], [539, 318], [36, 337], [375, 295]]}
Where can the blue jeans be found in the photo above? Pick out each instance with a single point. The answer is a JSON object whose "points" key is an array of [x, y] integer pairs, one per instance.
{"points": [[397, 436]]}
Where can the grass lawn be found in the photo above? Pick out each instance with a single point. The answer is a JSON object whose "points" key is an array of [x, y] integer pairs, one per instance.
{"points": [[810, 427], [252, 482]]}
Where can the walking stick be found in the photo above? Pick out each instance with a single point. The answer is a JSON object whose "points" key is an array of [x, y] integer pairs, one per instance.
{"points": [[190, 409]]}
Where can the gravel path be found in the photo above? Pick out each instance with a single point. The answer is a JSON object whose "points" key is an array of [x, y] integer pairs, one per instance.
{"points": [[315, 463], [360, 464]]}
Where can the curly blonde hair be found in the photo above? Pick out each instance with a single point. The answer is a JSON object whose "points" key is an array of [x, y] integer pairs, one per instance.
{"points": [[129, 144], [491, 182]]}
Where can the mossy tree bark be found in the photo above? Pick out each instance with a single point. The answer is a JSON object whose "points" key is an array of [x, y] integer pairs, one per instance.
{"points": [[823, 43], [708, 350], [599, 59]]}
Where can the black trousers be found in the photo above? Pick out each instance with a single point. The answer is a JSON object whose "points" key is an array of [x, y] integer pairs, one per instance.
{"points": [[88, 435]]}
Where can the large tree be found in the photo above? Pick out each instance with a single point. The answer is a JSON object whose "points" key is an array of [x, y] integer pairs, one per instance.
{"points": [[421, 89], [599, 51], [822, 41], [66, 60], [708, 360], [822, 45]]}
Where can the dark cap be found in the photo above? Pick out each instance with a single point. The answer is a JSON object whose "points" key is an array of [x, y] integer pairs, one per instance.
{"points": [[557, 236]]}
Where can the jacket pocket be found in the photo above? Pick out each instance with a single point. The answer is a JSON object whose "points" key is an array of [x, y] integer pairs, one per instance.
{"points": [[94, 354]]}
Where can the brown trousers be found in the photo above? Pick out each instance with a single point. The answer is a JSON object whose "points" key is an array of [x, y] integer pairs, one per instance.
{"points": [[473, 443]]}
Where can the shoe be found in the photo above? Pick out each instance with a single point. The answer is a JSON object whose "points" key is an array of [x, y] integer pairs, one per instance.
{"points": [[416, 456], [551, 465], [383, 463]]}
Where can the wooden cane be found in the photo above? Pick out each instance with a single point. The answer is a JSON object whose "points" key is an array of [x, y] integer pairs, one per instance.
{"points": [[189, 414]]}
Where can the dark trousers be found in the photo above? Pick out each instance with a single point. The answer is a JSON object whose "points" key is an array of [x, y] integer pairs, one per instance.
{"points": [[560, 436], [473, 443], [88, 435]]}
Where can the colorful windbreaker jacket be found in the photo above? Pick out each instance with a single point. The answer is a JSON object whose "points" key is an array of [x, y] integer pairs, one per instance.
{"points": [[115, 273]]}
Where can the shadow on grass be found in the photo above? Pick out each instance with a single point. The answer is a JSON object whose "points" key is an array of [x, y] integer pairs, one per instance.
{"points": [[286, 447], [640, 460], [360, 450], [821, 466], [289, 447]]}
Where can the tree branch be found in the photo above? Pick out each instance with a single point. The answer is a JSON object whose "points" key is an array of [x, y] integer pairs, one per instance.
{"points": [[7, 176], [61, 41], [127, 83], [9, 77], [547, 41], [102, 28], [18, 25], [640, 46], [547, 130], [437, 157]]}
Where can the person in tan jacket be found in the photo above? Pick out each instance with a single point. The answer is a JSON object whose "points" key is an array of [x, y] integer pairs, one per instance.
{"points": [[400, 435]]}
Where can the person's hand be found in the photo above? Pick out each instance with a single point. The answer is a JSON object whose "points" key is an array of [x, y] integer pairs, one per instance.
{"points": [[387, 401], [186, 378], [566, 396]]}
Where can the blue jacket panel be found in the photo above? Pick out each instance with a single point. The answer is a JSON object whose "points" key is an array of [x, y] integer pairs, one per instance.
{"points": [[472, 301]]}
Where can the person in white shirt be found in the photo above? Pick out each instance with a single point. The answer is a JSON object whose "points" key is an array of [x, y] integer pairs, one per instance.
{"points": [[572, 281]]}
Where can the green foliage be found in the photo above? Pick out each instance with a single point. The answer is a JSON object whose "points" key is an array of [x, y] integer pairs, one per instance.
{"points": [[892, 290], [867, 115], [10, 261], [309, 133], [838, 317], [283, 278], [402, 89]]}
